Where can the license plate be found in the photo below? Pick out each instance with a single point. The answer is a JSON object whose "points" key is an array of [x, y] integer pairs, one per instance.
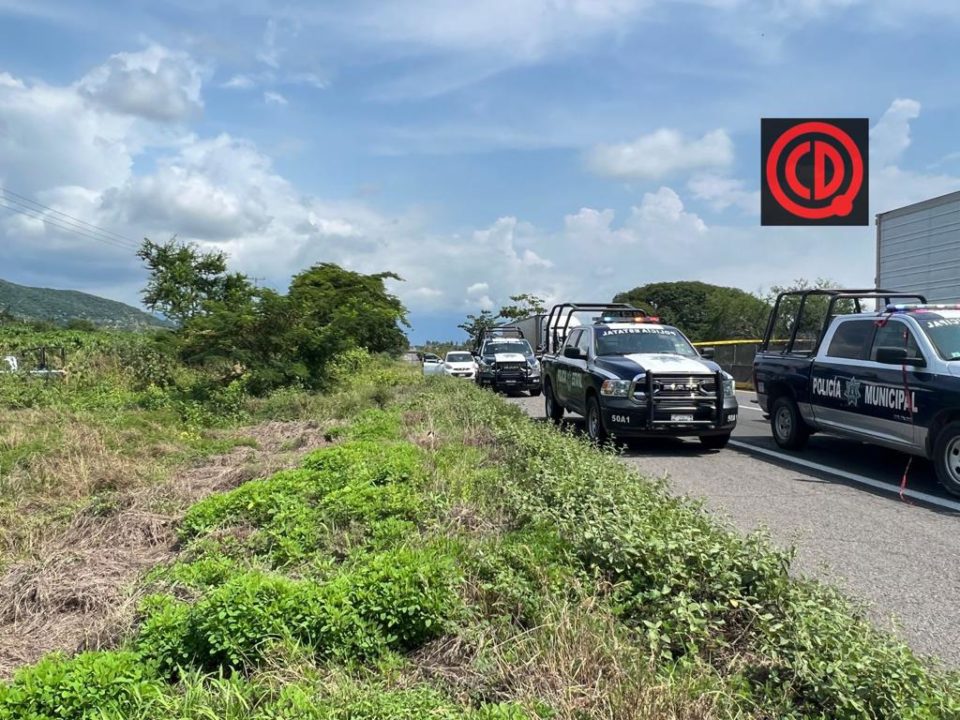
{"points": [[681, 418]]}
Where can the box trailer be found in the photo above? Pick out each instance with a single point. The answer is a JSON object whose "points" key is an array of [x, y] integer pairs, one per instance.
{"points": [[918, 249]]}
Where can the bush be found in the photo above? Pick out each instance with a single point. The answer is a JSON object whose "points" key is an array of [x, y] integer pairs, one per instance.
{"points": [[370, 460], [395, 600], [164, 638], [257, 502], [88, 685]]}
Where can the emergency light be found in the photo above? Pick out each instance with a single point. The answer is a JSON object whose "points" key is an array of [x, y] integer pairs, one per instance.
{"points": [[900, 307]]}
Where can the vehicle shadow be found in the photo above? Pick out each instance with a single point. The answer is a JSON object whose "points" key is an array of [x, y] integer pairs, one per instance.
{"points": [[636, 447]]}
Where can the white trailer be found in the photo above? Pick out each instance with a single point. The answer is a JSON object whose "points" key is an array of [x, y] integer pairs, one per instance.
{"points": [[918, 249]]}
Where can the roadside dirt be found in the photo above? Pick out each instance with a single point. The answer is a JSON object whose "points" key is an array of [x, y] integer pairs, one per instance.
{"points": [[76, 591]]}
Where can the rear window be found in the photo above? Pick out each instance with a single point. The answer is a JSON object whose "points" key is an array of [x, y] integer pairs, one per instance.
{"points": [[851, 340]]}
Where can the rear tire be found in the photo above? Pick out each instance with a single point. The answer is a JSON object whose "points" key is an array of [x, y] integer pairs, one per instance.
{"points": [[595, 429], [946, 457], [551, 408], [790, 432], [715, 442], [535, 393]]}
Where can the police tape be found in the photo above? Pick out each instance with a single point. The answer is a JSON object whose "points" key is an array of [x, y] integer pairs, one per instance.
{"points": [[714, 343]]}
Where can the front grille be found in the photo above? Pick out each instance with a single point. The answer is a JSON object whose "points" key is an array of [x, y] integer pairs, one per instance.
{"points": [[510, 367], [684, 388]]}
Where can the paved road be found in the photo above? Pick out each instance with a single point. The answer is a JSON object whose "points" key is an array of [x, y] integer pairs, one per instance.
{"points": [[841, 511]]}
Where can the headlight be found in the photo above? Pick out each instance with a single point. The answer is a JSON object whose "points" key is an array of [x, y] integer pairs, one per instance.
{"points": [[615, 388], [729, 386]]}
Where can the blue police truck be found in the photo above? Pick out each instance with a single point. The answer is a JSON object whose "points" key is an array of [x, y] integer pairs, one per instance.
{"points": [[887, 374], [632, 376]]}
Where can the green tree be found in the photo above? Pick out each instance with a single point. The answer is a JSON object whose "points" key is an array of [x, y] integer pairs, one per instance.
{"points": [[183, 279], [811, 323], [701, 310], [338, 309], [523, 306], [475, 325]]}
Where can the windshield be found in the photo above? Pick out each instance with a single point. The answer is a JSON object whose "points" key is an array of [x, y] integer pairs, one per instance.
{"points": [[459, 357], [628, 341], [944, 333], [517, 346]]}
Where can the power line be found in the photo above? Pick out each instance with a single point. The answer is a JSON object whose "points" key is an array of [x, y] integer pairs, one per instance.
{"points": [[65, 228], [22, 200]]}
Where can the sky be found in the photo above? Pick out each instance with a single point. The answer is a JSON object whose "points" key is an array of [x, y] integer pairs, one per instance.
{"points": [[479, 149]]}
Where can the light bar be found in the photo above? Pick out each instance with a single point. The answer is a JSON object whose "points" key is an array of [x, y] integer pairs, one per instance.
{"points": [[900, 307]]}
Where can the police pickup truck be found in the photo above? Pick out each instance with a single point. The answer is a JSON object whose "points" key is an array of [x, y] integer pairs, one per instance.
{"points": [[631, 376], [889, 376], [505, 362]]}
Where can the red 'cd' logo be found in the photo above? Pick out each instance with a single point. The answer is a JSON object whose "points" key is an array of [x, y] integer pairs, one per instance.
{"points": [[815, 172]]}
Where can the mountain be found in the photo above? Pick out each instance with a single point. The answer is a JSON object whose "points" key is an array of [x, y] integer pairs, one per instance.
{"points": [[61, 306]]}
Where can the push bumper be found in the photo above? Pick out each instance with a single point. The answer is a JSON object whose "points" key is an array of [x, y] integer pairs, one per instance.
{"points": [[624, 418], [509, 380]]}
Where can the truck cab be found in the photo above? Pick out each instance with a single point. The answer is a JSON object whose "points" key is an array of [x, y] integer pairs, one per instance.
{"points": [[631, 376], [506, 362], [888, 376]]}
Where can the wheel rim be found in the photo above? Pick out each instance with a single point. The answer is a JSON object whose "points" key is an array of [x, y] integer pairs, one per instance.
{"points": [[784, 423], [593, 423], [548, 401], [952, 459]]}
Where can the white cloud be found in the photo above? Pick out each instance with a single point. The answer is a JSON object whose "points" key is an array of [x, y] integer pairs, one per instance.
{"points": [[274, 98], [890, 137], [156, 84], [269, 53], [522, 29], [240, 82], [661, 153], [722, 192], [478, 288], [426, 292]]}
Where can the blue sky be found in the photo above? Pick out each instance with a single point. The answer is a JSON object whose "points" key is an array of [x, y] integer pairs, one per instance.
{"points": [[570, 148]]}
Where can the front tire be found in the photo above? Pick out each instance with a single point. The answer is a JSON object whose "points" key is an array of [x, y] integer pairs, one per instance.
{"points": [[595, 429], [946, 457], [551, 408], [535, 393], [715, 442], [790, 432]]}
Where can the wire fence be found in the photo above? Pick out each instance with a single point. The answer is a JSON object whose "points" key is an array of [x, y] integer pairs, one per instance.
{"points": [[736, 357]]}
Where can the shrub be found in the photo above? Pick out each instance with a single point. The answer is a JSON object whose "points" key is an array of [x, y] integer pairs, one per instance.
{"points": [[256, 502], [164, 637], [395, 600], [368, 460], [88, 685], [408, 594]]}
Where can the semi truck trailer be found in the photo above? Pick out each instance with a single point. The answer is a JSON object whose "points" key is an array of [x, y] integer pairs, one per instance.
{"points": [[918, 249]]}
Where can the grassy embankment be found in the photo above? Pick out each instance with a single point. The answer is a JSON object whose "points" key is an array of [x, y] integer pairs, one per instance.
{"points": [[448, 558]]}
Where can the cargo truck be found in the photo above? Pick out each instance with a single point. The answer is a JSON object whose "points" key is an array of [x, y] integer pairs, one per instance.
{"points": [[918, 249]]}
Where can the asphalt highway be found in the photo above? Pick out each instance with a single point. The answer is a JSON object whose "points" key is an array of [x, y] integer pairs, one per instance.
{"points": [[838, 503]]}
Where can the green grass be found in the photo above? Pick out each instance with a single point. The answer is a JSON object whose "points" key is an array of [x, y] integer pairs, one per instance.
{"points": [[448, 558]]}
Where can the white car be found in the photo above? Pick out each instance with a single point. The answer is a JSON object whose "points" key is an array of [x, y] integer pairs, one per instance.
{"points": [[460, 364], [432, 364]]}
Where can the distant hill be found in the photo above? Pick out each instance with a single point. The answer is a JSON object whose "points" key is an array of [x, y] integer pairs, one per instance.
{"points": [[61, 306]]}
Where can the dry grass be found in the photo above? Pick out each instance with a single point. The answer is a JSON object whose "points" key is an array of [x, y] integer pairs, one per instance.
{"points": [[579, 662], [71, 588]]}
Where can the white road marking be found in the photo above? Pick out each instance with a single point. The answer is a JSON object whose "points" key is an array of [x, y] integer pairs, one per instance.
{"points": [[853, 477]]}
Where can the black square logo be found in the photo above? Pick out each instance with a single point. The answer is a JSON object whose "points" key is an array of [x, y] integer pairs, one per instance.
{"points": [[814, 172]]}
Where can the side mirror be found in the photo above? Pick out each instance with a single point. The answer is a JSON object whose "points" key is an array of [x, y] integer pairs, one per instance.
{"points": [[898, 356], [573, 353], [707, 353]]}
